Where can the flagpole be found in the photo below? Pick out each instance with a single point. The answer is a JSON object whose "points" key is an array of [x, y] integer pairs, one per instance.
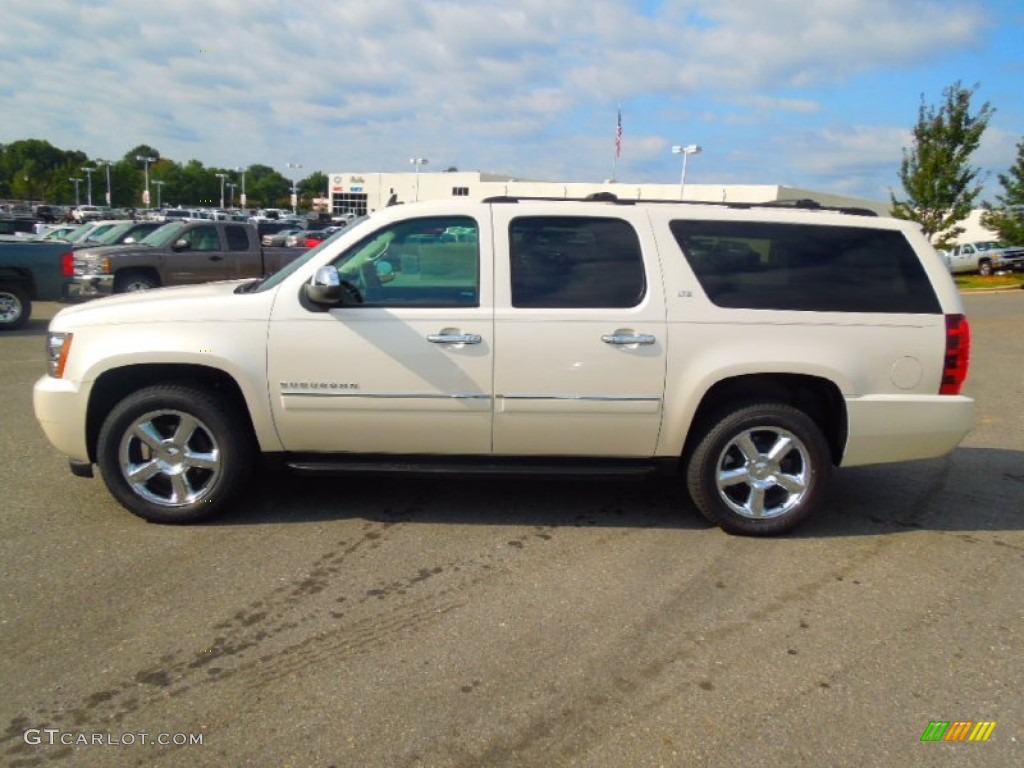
{"points": [[618, 144]]}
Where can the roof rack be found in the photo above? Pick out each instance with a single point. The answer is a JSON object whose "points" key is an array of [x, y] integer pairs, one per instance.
{"points": [[804, 204]]}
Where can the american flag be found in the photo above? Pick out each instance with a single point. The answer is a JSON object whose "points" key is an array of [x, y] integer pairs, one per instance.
{"points": [[618, 136]]}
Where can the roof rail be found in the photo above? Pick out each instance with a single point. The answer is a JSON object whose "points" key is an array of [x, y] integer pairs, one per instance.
{"points": [[805, 204]]}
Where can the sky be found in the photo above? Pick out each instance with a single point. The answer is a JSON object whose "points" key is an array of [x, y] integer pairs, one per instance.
{"points": [[819, 94]]}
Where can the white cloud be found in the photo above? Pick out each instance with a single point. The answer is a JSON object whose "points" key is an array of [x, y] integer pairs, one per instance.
{"points": [[502, 86]]}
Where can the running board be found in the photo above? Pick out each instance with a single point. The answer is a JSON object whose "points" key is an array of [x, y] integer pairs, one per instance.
{"points": [[463, 465]]}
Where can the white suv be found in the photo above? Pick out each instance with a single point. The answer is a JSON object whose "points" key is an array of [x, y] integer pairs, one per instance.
{"points": [[750, 348]]}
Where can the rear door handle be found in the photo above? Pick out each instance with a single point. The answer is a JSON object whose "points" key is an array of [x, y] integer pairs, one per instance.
{"points": [[216, 258], [455, 338]]}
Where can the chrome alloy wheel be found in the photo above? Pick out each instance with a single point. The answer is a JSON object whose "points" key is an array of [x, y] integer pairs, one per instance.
{"points": [[169, 458], [763, 472], [11, 307]]}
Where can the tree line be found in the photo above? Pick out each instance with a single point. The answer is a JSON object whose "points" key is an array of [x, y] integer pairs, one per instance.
{"points": [[37, 171]]}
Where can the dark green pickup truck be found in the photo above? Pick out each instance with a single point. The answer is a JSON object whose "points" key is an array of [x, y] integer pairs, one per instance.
{"points": [[31, 272]]}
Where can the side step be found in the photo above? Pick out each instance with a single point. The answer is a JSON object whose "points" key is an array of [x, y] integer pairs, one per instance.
{"points": [[311, 464]]}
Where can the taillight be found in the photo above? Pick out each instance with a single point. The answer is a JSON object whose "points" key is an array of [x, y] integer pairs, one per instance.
{"points": [[67, 264], [958, 353]]}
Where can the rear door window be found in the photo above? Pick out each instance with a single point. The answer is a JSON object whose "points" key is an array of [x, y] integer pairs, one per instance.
{"points": [[575, 262]]}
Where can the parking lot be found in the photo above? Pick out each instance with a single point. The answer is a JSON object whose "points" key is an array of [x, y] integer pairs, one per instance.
{"points": [[488, 622]]}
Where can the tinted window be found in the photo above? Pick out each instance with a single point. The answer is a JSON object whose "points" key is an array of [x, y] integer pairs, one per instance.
{"points": [[758, 265], [203, 239], [575, 262], [428, 262], [238, 238]]}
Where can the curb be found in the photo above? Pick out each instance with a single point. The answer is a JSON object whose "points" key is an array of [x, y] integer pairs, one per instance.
{"points": [[1004, 289]]}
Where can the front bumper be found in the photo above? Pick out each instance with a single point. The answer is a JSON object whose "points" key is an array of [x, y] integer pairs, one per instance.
{"points": [[60, 408], [1008, 265], [90, 286]]}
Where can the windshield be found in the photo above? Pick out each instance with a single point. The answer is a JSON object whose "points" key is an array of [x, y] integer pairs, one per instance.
{"points": [[112, 234], [60, 233], [165, 235], [284, 272], [79, 234]]}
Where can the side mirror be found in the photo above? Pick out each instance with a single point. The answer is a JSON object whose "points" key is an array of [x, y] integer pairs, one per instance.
{"points": [[181, 245], [128, 240], [325, 287]]}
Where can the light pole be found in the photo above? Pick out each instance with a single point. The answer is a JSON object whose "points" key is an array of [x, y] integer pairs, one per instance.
{"points": [[295, 189], [107, 163], [158, 184], [689, 149], [88, 173], [146, 160], [241, 200], [231, 194], [222, 176], [77, 182], [418, 161]]}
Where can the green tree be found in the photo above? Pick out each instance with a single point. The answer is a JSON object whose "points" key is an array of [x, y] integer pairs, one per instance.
{"points": [[143, 150], [266, 188], [940, 184], [1007, 218], [312, 187], [35, 169]]}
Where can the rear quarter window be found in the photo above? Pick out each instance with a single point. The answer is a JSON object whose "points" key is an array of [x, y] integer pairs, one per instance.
{"points": [[814, 268], [238, 238]]}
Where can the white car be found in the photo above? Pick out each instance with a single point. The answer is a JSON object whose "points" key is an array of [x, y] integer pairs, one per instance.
{"points": [[85, 213], [749, 349], [279, 239]]}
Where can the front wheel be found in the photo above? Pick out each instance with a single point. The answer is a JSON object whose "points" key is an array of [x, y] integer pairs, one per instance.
{"points": [[760, 470], [175, 453], [129, 282], [985, 268], [15, 307]]}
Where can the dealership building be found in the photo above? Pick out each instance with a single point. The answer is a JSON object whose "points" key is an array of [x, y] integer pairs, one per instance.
{"points": [[365, 192]]}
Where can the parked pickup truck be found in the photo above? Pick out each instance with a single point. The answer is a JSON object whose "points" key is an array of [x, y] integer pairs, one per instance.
{"points": [[984, 257], [31, 271], [178, 253]]}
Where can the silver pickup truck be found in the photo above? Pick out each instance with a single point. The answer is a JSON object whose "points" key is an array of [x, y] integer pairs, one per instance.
{"points": [[985, 258], [178, 253]]}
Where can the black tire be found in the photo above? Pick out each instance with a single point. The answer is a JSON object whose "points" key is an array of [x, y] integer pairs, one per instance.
{"points": [[15, 307], [984, 267], [738, 484], [194, 463], [127, 282]]}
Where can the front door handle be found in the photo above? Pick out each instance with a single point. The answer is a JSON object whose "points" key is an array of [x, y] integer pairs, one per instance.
{"points": [[216, 258], [454, 338], [628, 338]]}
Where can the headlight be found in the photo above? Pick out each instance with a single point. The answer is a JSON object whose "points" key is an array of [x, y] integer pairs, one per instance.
{"points": [[58, 345], [88, 266]]}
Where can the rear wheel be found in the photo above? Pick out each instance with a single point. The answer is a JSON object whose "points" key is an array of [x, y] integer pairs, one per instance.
{"points": [[174, 453], [760, 470], [15, 307]]}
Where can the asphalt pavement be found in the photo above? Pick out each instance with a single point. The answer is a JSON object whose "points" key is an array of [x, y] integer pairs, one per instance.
{"points": [[482, 622]]}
